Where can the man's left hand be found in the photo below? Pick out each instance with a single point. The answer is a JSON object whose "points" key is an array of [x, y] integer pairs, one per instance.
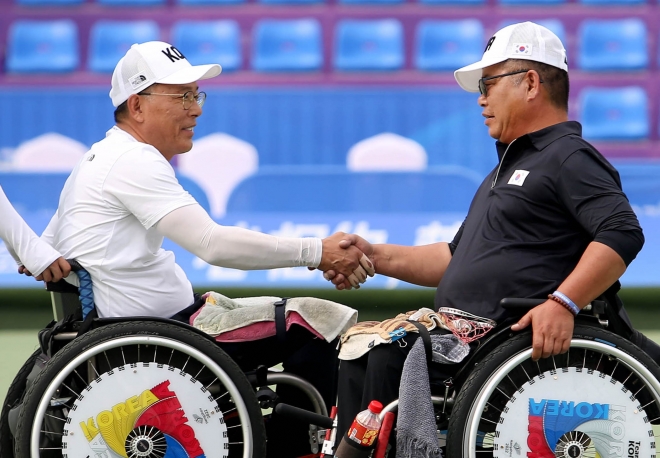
{"points": [[552, 329]]}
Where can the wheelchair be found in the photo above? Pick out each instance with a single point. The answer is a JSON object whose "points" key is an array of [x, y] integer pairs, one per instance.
{"points": [[601, 399], [139, 388]]}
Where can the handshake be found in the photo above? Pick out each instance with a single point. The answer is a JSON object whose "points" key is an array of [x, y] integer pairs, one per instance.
{"points": [[346, 260]]}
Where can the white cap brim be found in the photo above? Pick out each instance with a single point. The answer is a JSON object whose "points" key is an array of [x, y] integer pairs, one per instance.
{"points": [[191, 74], [468, 77]]}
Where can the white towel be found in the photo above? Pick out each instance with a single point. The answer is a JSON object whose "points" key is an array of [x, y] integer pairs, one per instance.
{"points": [[222, 314]]}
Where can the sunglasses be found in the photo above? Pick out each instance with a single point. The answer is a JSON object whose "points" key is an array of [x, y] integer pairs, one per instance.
{"points": [[483, 89]]}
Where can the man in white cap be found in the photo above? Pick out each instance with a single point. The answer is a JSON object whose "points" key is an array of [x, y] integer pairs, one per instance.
{"points": [[549, 222], [123, 198]]}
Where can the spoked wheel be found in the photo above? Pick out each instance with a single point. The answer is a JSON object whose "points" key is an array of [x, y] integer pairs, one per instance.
{"points": [[141, 390], [602, 398], [13, 397]]}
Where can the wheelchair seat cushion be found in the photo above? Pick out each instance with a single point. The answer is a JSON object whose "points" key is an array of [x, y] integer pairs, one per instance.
{"points": [[221, 314]]}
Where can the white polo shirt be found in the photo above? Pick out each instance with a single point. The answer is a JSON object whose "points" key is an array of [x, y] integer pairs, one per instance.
{"points": [[105, 219]]}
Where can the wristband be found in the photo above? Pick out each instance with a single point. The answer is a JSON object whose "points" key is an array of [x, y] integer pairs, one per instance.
{"points": [[564, 300]]}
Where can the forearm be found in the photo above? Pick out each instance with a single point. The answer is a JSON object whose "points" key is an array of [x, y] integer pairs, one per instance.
{"points": [[420, 265], [21, 241], [599, 267], [234, 247]]}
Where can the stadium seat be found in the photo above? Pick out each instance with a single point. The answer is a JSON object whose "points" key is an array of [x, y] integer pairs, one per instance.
{"points": [[293, 2], [109, 41], [42, 46], [613, 2], [49, 2], [448, 45], [204, 42], [614, 114], [287, 45], [619, 44], [554, 25], [369, 45], [453, 2], [132, 2], [208, 2], [371, 2], [532, 2]]}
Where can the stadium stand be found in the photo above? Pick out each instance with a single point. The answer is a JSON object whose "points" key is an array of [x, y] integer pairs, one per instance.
{"points": [[210, 41], [293, 45], [315, 120], [43, 46], [109, 41]]}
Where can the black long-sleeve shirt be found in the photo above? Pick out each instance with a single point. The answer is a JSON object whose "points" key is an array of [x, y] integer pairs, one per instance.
{"points": [[532, 218]]}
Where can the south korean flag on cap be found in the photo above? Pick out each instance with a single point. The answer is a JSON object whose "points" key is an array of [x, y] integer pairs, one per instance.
{"points": [[522, 49]]}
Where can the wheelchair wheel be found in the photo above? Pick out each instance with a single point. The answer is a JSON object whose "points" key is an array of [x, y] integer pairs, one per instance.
{"points": [[140, 390], [13, 397], [599, 399]]}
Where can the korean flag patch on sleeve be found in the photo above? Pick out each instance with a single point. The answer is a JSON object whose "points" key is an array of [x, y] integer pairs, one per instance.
{"points": [[518, 177]]}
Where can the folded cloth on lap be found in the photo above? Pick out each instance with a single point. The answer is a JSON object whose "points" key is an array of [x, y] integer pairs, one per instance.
{"points": [[365, 335], [221, 314]]}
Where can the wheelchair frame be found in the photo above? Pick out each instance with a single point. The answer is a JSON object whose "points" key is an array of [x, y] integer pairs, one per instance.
{"points": [[476, 403], [80, 366]]}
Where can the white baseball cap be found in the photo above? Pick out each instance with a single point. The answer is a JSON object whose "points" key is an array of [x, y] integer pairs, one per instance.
{"points": [[154, 62], [525, 40]]}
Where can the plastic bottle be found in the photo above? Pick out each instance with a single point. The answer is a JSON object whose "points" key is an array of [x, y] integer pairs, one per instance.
{"points": [[362, 434]]}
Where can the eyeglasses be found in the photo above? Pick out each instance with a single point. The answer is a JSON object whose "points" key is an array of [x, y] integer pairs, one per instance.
{"points": [[483, 89], [188, 98]]}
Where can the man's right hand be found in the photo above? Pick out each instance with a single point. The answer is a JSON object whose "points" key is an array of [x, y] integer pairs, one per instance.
{"points": [[342, 281], [341, 256]]}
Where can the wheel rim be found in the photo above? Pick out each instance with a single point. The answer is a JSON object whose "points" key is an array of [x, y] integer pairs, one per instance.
{"points": [[485, 431], [146, 442]]}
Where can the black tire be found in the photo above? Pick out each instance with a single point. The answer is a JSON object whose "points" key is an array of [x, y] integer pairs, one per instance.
{"points": [[133, 357], [13, 397], [486, 399]]}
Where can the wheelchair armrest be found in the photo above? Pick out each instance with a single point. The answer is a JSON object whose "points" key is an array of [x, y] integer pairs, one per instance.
{"points": [[520, 304], [61, 286]]}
